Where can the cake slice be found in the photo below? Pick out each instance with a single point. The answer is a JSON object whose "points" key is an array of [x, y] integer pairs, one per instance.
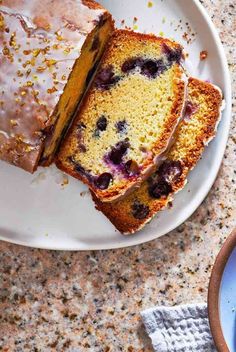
{"points": [[128, 116], [48, 52], [195, 131]]}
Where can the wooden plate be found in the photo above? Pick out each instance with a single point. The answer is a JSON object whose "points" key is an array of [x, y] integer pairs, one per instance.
{"points": [[220, 288]]}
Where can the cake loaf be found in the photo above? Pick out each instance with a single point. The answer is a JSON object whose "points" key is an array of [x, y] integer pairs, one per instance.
{"points": [[48, 52], [128, 116], [195, 131]]}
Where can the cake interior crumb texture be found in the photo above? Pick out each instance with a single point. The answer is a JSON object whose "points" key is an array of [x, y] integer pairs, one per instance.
{"points": [[48, 50], [128, 115], [202, 114]]}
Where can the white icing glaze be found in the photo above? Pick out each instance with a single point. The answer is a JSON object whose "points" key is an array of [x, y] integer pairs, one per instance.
{"points": [[39, 43]]}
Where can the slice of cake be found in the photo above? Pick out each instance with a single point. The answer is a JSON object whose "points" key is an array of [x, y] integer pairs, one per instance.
{"points": [[195, 131], [128, 116], [48, 52]]}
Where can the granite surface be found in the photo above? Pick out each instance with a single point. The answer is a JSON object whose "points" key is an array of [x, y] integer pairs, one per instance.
{"points": [[90, 301]]}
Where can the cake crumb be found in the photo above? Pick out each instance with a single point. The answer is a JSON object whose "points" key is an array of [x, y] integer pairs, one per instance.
{"points": [[185, 36], [84, 194], [203, 55], [65, 181], [135, 26]]}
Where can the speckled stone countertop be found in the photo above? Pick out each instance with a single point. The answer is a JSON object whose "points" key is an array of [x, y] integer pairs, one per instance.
{"points": [[90, 301]]}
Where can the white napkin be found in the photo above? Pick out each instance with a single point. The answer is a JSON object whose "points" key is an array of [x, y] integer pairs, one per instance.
{"points": [[179, 329]]}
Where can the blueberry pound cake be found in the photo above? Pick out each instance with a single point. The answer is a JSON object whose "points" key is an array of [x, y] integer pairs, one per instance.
{"points": [[48, 52], [195, 131], [128, 116]]}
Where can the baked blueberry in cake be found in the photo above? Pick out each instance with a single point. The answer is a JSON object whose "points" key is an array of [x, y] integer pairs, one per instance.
{"points": [[195, 131], [129, 114], [49, 50]]}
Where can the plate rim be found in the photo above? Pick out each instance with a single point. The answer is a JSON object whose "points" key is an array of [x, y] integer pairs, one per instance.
{"points": [[211, 180], [213, 298]]}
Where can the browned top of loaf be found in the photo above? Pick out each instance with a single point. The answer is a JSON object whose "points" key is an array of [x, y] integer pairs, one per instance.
{"points": [[193, 133], [128, 40], [92, 4], [39, 43]]}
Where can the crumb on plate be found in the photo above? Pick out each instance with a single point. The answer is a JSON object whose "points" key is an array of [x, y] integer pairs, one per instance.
{"points": [[203, 55]]}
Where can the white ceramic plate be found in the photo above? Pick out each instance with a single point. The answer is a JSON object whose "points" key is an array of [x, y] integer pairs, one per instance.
{"points": [[35, 210]]}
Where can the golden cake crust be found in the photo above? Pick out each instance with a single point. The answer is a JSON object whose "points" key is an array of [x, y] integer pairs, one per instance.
{"points": [[124, 38], [92, 4], [201, 128], [38, 52]]}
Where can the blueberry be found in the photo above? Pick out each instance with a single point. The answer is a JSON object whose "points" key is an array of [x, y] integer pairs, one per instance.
{"points": [[106, 78], [170, 170], [77, 166], [131, 64], [131, 168], [161, 66], [190, 109], [153, 67], [139, 210], [102, 123], [80, 128], [121, 126], [104, 180], [117, 152], [149, 68], [160, 183], [116, 156], [173, 55], [159, 189], [80, 169]]}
